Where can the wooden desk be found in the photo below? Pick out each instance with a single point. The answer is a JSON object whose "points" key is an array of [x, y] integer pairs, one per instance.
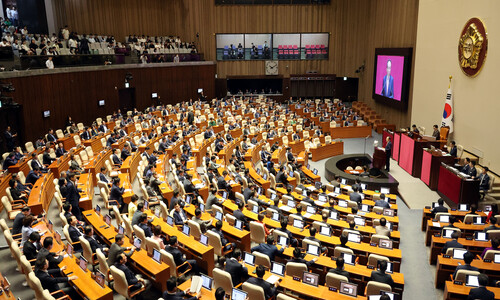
{"points": [[95, 142], [457, 190], [125, 183], [41, 194], [62, 163], [350, 132], [95, 164], [437, 244], [467, 229], [6, 294], [265, 184], [431, 162], [454, 291], [21, 166], [327, 150], [86, 184], [459, 215], [68, 141], [130, 165], [158, 273], [446, 267]]}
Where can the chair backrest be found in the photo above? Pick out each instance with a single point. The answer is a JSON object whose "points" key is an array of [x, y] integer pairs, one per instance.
{"points": [[462, 274], [118, 216], [35, 284], [29, 147], [295, 269], [222, 279], [284, 297], [87, 251], [257, 232], [374, 258], [306, 242], [140, 234], [337, 252], [169, 260], [490, 254], [334, 280], [152, 244], [120, 282], [262, 259], [215, 242], [494, 233], [195, 229], [103, 263], [254, 292], [374, 288], [377, 237]]}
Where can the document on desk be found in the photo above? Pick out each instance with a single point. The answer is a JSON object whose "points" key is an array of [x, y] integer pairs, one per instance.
{"points": [[195, 284], [436, 224], [307, 215], [272, 279], [286, 208]]}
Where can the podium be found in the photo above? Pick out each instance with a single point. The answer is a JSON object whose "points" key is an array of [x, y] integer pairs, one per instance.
{"points": [[379, 157], [455, 188], [431, 162]]}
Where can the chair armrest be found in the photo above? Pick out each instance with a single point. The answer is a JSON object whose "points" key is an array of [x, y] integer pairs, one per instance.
{"points": [[137, 291], [60, 292], [187, 270]]}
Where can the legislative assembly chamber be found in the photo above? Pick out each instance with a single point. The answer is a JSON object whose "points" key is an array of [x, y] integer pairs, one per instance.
{"points": [[249, 149]]}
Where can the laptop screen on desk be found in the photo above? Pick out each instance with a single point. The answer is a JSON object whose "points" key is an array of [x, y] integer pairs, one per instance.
{"points": [[324, 230], [313, 250], [459, 253], [318, 185], [283, 241], [349, 258], [481, 236], [353, 237], [444, 219], [204, 239], [384, 190], [206, 282], [349, 289], [463, 207], [249, 258], [472, 280], [157, 256], [310, 278], [278, 269], [238, 295], [298, 223]]}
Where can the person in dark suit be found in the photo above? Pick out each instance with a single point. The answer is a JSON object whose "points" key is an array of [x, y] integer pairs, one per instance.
{"points": [[116, 160], [15, 193], [289, 155], [44, 253], [382, 202], [143, 224], [468, 258], [388, 153], [269, 289], [388, 82], [116, 194], [10, 160], [225, 243], [493, 226], [50, 136], [103, 176], [380, 275], [31, 246], [180, 258], [234, 267], [453, 243], [35, 163], [131, 278], [439, 208], [436, 133], [484, 180], [74, 233], [60, 150], [116, 249], [94, 243], [33, 176], [172, 293], [125, 152], [43, 273], [180, 217], [238, 214], [298, 257], [453, 150], [355, 196], [340, 268], [268, 248], [281, 177], [18, 220], [481, 292], [189, 187], [222, 183], [46, 159], [73, 195], [190, 117]]}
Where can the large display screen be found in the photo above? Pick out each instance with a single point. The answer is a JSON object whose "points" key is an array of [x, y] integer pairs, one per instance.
{"points": [[391, 78]]}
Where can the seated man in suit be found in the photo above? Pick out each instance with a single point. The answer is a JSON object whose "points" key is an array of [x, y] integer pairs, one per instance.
{"points": [[60, 150], [453, 149], [269, 289], [180, 217], [180, 258], [9, 161], [143, 224], [281, 177], [472, 169], [116, 195], [493, 225], [380, 275], [339, 270], [481, 292], [117, 161], [355, 196], [312, 237], [439, 208], [103, 176], [298, 257], [137, 282], [47, 160], [52, 258], [225, 243], [436, 132], [204, 224], [43, 273], [238, 214], [15, 193], [468, 258], [222, 184], [453, 243], [234, 267], [382, 202], [172, 293], [268, 248], [382, 229], [74, 233], [31, 246], [125, 152], [94, 243], [484, 180], [116, 249]]}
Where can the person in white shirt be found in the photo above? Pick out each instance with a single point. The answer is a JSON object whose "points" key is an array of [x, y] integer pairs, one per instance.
{"points": [[24, 31], [176, 58], [65, 33], [14, 15], [4, 43], [49, 63], [72, 45], [8, 13]]}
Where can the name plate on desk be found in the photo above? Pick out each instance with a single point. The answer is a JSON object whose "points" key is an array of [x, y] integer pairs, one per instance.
{"points": [[370, 267], [332, 289], [373, 244], [487, 260], [437, 234], [296, 278], [468, 238], [458, 282], [446, 256], [427, 207]]}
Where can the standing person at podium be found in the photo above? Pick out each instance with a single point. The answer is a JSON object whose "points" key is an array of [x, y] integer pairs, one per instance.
{"points": [[388, 153]]}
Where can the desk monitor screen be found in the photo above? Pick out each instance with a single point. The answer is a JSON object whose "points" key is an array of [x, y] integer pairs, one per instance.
{"points": [[385, 190], [389, 268], [69, 250], [336, 190], [57, 236], [255, 209], [304, 193], [283, 241], [481, 236], [238, 224], [238, 295], [290, 203], [463, 207], [363, 186], [264, 176], [275, 216], [342, 203], [202, 207], [99, 278], [188, 200], [349, 289], [206, 282], [444, 219], [200, 91], [83, 263], [311, 209], [170, 221], [298, 223], [157, 256], [273, 196], [204, 239], [479, 220], [359, 221], [107, 219], [154, 95], [146, 204], [186, 229], [318, 185], [447, 233], [459, 253], [349, 258], [322, 198], [224, 195], [313, 250], [343, 181], [137, 243], [365, 207], [157, 211], [278, 269], [354, 237], [315, 172], [388, 212], [334, 215], [497, 258], [472, 280], [310, 278], [259, 191], [324, 230], [98, 209], [385, 243], [121, 230], [249, 258], [309, 166], [290, 174], [218, 215]]}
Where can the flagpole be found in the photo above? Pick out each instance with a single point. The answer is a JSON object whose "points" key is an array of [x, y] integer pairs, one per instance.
{"points": [[449, 85]]}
